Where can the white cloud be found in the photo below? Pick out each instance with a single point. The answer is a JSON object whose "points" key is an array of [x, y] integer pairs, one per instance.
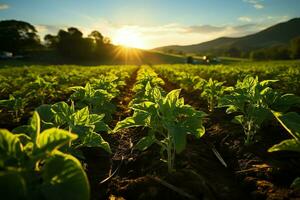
{"points": [[172, 33], [257, 4], [44, 29], [4, 6], [155, 36], [244, 19]]}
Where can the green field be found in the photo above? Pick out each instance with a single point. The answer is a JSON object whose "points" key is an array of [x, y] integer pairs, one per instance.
{"points": [[169, 131]]}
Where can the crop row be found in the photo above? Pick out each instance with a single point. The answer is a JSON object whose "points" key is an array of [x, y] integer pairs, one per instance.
{"points": [[254, 103], [42, 160]]}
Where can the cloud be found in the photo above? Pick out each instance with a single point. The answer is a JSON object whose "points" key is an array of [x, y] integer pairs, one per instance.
{"points": [[44, 29], [183, 35], [257, 4], [155, 36], [244, 19], [4, 6], [204, 29], [171, 33]]}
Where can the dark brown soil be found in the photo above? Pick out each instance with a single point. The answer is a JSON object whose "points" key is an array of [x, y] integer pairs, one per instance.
{"points": [[141, 175]]}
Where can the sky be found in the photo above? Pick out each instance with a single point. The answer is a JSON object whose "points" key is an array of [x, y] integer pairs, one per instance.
{"points": [[152, 23]]}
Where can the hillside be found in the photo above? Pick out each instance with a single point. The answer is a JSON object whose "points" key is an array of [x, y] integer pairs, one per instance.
{"points": [[279, 34]]}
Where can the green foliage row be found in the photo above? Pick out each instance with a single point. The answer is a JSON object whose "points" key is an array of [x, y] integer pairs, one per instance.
{"points": [[256, 103], [168, 119], [40, 160]]}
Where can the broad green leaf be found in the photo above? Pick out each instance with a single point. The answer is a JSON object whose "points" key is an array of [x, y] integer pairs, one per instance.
{"points": [[284, 102], [145, 142], [232, 109], [267, 82], [64, 178], [179, 136], [138, 119], [148, 89], [259, 114], [81, 130], [172, 97], [239, 119], [81, 116], [200, 131], [286, 145], [156, 94], [54, 138], [101, 126], [62, 111], [12, 186], [10, 145], [94, 118], [95, 140], [27, 129], [291, 122], [45, 112], [296, 184], [36, 126]]}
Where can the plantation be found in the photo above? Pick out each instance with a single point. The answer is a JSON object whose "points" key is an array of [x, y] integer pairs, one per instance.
{"points": [[150, 132]]}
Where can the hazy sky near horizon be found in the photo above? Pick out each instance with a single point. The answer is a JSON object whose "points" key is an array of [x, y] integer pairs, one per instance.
{"points": [[154, 22]]}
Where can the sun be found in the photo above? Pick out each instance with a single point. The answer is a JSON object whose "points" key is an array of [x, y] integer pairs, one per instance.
{"points": [[129, 38]]}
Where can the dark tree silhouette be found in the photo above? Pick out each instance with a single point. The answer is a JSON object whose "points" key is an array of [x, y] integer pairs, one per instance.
{"points": [[50, 40], [71, 44], [190, 60], [295, 48], [17, 36]]}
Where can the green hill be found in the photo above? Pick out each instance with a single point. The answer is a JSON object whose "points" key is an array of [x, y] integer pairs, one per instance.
{"points": [[279, 34]]}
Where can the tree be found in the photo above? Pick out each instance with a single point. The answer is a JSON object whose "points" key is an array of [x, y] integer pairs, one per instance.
{"points": [[17, 36], [233, 52], [258, 55], [279, 52], [97, 37], [51, 40], [190, 60], [71, 44], [295, 48]]}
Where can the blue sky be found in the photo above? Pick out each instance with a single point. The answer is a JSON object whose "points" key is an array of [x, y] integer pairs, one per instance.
{"points": [[153, 22]]}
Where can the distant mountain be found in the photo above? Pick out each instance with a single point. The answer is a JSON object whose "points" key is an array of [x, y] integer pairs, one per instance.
{"points": [[279, 34]]}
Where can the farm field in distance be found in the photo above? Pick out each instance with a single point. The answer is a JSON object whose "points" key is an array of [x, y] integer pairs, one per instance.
{"points": [[169, 131]]}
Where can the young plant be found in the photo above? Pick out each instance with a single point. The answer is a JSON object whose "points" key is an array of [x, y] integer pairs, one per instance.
{"points": [[33, 167], [254, 100], [212, 91], [109, 83], [247, 98], [169, 121], [40, 89], [187, 81], [147, 94], [291, 122], [15, 106], [98, 100], [80, 122]]}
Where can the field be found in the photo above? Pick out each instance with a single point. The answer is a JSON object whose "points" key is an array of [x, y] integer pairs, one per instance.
{"points": [[151, 131]]}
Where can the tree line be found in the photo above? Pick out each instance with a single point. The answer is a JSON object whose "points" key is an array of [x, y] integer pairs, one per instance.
{"points": [[275, 52], [19, 37], [278, 52]]}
